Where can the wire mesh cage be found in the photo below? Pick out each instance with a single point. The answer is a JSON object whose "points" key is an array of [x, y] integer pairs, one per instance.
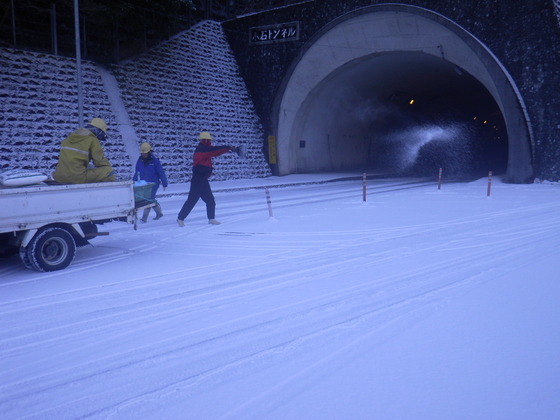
{"points": [[143, 195]]}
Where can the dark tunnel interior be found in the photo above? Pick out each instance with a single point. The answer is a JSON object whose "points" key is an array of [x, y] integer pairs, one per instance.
{"points": [[409, 114]]}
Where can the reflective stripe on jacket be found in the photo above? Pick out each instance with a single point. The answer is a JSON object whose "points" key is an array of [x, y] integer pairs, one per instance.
{"points": [[76, 152]]}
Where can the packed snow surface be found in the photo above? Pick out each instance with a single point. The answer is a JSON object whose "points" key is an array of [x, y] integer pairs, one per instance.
{"points": [[419, 303]]}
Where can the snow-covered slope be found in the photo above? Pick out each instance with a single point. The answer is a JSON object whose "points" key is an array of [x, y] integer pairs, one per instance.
{"points": [[188, 84]]}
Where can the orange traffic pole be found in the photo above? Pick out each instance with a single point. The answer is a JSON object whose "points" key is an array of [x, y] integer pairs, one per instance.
{"points": [[268, 202], [364, 187]]}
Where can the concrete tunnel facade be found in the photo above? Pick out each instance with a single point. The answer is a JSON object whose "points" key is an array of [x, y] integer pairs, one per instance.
{"points": [[333, 101]]}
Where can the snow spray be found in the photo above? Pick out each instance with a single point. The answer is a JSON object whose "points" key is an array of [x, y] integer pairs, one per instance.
{"points": [[415, 149], [413, 139]]}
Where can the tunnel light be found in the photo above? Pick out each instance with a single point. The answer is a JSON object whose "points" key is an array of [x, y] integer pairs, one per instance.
{"points": [[485, 122], [411, 101]]}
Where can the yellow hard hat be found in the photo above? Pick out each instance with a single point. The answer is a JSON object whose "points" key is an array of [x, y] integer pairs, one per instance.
{"points": [[99, 123], [145, 147], [205, 135]]}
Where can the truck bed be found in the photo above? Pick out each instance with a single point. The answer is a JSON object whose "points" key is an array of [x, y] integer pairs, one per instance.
{"points": [[31, 207]]}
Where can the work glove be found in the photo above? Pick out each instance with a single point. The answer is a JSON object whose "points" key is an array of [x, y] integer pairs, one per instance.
{"points": [[241, 151]]}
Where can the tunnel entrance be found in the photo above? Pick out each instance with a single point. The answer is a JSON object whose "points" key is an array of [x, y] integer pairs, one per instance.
{"points": [[402, 113], [401, 90]]}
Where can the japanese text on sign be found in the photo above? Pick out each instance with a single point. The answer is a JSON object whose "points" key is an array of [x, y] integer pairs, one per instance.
{"points": [[275, 33]]}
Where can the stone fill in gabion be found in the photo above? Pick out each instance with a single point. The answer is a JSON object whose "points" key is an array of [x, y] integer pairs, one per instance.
{"points": [[39, 108], [188, 84]]}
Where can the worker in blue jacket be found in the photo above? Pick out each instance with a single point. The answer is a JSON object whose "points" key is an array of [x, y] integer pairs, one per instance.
{"points": [[149, 169]]}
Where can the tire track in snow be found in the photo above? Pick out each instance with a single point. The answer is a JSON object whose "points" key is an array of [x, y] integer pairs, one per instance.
{"points": [[545, 227], [107, 294], [338, 298], [330, 305], [405, 309]]}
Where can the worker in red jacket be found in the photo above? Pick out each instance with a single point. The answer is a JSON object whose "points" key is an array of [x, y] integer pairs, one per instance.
{"points": [[202, 169]]}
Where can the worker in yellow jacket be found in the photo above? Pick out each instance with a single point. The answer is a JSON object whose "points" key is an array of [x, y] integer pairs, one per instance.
{"points": [[78, 150]]}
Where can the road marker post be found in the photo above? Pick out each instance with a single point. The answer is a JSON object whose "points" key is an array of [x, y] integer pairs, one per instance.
{"points": [[268, 202], [364, 176]]}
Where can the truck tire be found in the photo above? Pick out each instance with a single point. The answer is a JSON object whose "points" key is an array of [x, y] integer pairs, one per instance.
{"points": [[51, 249], [25, 258]]}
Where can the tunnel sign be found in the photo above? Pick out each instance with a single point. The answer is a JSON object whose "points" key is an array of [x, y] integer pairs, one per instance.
{"points": [[272, 149], [274, 33]]}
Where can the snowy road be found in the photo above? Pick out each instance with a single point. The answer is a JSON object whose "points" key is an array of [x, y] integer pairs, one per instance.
{"points": [[264, 317]]}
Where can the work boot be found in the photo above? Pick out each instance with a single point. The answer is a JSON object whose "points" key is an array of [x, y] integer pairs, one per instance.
{"points": [[145, 215], [213, 222], [159, 214], [181, 223]]}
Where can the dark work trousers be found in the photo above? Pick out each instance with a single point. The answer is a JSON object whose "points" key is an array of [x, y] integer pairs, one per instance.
{"points": [[200, 188]]}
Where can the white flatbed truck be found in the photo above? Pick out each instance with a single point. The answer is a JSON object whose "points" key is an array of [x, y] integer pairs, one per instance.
{"points": [[46, 223]]}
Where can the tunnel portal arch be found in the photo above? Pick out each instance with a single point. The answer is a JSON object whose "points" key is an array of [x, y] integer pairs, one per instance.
{"points": [[377, 54]]}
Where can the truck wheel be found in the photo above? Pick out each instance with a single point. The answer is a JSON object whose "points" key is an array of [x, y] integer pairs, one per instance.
{"points": [[51, 249], [25, 258]]}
